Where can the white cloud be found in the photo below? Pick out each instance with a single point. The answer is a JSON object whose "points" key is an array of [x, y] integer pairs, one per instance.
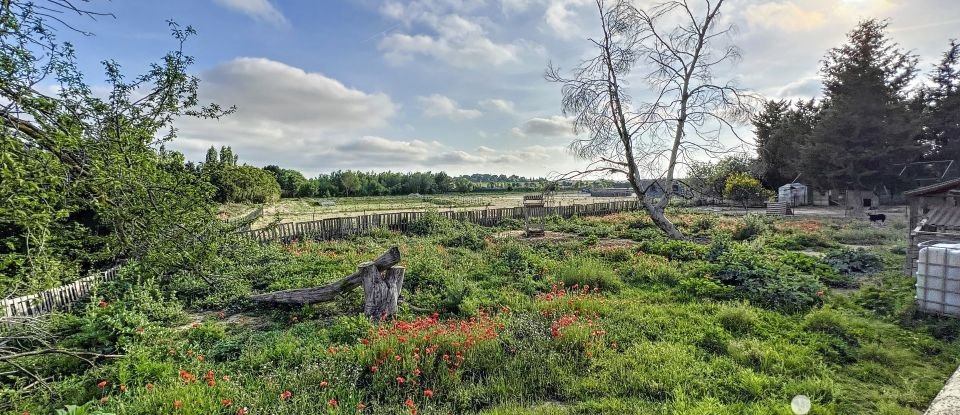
{"points": [[437, 105], [258, 9], [554, 126], [447, 33], [272, 92], [501, 105], [562, 18], [785, 16]]}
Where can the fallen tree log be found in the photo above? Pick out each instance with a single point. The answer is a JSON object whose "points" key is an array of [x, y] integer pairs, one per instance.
{"points": [[330, 291]]}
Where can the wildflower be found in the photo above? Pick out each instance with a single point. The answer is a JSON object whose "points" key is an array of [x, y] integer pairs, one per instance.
{"points": [[102, 384], [323, 384], [177, 404], [211, 383], [149, 386], [104, 399], [333, 403], [123, 388], [227, 402], [400, 380], [428, 393], [332, 350], [286, 395], [374, 369], [242, 411], [225, 378], [360, 406], [409, 403], [200, 358], [364, 341]]}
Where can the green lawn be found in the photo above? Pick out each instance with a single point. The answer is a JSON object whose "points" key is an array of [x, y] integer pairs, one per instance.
{"points": [[579, 324]]}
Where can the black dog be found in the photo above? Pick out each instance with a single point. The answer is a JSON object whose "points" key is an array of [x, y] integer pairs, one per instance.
{"points": [[877, 218]]}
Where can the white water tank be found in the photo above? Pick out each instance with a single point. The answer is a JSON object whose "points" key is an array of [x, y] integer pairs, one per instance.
{"points": [[938, 278]]}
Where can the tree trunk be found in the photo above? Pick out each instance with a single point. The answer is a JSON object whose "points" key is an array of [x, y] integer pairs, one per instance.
{"points": [[381, 291], [656, 213], [330, 291]]}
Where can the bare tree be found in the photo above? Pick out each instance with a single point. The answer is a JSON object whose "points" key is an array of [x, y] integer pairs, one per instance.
{"points": [[686, 111]]}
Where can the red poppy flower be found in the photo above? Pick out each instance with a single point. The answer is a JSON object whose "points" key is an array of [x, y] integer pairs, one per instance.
{"points": [[242, 411], [400, 380], [428, 393], [227, 402], [323, 384], [102, 384], [360, 406], [409, 402], [211, 383], [149, 386], [332, 402], [177, 404], [374, 369], [286, 395]]}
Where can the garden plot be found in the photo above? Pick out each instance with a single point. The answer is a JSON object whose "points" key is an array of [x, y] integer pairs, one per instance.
{"points": [[601, 315]]}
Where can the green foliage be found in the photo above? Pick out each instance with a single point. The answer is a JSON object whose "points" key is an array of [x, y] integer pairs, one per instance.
{"points": [[854, 261], [675, 249], [743, 188], [752, 225], [588, 271]]}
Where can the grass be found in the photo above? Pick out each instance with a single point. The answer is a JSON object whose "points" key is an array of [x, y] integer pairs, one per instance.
{"points": [[494, 326], [307, 209]]}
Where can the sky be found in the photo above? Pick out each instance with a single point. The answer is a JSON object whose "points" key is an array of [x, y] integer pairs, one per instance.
{"points": [[452, 85]]}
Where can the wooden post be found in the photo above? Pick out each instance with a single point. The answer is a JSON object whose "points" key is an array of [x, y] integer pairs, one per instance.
{"points": [[381, 292]]}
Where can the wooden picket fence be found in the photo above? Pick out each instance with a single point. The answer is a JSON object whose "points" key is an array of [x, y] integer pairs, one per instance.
{"points": [[340, 227], [246, 220], [55, 298]]}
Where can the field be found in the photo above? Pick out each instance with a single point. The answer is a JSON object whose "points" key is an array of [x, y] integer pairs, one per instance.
{"points": [[303, 209], [603, 315]]}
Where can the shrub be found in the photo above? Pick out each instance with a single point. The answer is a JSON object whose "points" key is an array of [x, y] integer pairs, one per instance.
{"points": [[585, 270], [752, 225], [850, 261], [825, 273], [703, 223], [675, 249], [764, 283]]}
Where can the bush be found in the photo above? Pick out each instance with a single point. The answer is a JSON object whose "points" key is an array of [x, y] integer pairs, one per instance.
{"points": [[675, 249], [752, 225], [349, 329], [850, 261], [763, 282], [589, 271]]}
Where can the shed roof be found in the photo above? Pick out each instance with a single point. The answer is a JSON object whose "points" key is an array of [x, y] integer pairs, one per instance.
{"points": [[945, 216], [934, 188]]}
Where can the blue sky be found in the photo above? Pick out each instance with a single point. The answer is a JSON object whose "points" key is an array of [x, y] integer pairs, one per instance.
{"points": [[453, 85]]}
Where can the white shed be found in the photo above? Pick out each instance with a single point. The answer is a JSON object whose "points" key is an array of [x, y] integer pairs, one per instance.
{"points": [[793, 193]]}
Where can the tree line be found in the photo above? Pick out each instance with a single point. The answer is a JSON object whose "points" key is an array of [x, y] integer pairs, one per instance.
{"points": [[243, 183], [875, 116]]}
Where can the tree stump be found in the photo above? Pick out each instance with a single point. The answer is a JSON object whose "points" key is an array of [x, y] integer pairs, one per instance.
{"points": [[330, 291], [381, 291]]}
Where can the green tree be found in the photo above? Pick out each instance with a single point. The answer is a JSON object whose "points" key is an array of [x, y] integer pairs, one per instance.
{"points": [[865, 126], [941, 111], [350, 183], [85, 177], [711, 177], [742, 188]]}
